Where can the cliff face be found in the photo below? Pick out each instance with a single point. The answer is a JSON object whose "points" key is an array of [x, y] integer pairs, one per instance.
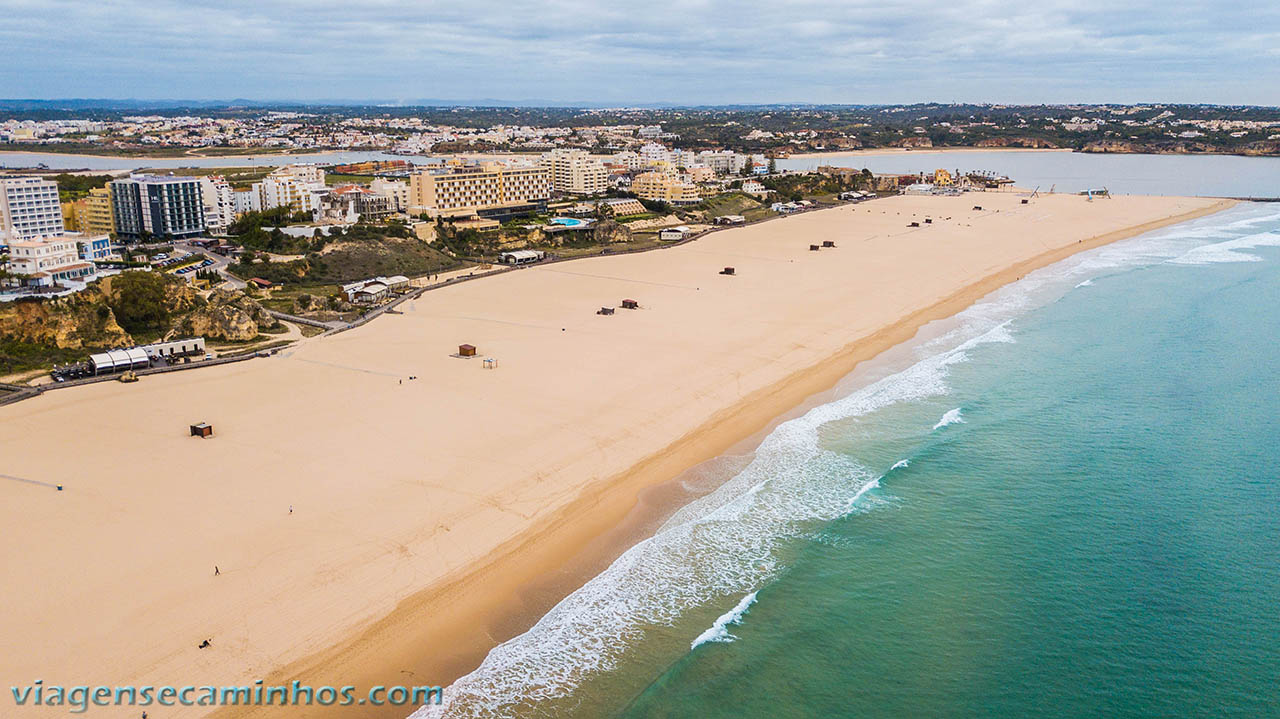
{"points": [[1182, 147], [913, 142], [1028, 142], [85, 320], [74, 322], [227, 315]]}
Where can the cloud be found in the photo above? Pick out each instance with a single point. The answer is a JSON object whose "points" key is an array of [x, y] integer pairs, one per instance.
{"points": [[691, 51]]}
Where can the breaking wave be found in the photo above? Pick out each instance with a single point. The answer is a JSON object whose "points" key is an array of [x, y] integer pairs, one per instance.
{"points": [[725, 543], [719, 630], [952, 416], [1229, 251]]}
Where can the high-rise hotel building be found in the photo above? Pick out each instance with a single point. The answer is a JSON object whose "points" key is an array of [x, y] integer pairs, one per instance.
{"points": [[575, 172], [29, 208], [157, 206], [489, 190]]}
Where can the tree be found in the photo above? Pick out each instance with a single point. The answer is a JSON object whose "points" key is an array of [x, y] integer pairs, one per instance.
{"points": [[138, 301]]}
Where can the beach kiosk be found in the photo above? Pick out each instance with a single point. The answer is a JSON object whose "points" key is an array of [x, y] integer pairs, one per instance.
{"points": [[466, 350], [814, 248], [202, 430], [727, 271], [630, 305], [828, 243]]}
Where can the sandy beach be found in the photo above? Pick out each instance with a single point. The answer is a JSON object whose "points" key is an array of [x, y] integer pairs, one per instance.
{"points": [[369, 528]]}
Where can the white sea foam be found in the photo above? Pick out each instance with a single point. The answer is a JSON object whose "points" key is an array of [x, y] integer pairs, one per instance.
{"points": [[900, 464], [719, 629], [1229, 251], [725, 542], [716, 546], [1086, 283], [952, 416]]}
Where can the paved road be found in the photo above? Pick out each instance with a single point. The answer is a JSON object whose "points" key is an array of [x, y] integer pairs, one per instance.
{"points": [[219, 265]]}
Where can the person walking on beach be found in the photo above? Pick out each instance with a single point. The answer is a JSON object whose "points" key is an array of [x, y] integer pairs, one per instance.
{"points": [[216, 571]]}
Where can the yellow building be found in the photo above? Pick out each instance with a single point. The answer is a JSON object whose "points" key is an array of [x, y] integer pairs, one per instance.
{"points": [[96, 216], [71, 212], [665, 187], [479, 187], [942, 178]]}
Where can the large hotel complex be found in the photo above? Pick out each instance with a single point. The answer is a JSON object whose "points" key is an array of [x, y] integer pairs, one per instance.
{"points": [[489, 189]]}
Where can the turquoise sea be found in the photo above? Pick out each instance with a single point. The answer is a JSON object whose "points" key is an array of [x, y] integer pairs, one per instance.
{"points": [[1063, 502]]}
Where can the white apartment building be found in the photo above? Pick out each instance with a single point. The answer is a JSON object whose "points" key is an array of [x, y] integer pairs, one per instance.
{"points": [[655, 155], [29, 208], [246, 201], [575, 172], [724, 162], [44, 261], [396, 192], [298, 186], [219, 203], [628, 159]]}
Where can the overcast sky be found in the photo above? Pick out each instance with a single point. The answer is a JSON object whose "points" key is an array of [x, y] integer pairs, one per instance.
{"points": [[611, 52]]}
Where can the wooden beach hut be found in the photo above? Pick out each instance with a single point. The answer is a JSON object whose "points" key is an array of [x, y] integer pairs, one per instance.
{"points": [[814, 248], [466, 350], [630, 305], [202, 430], [727, 271], [605, 311], [828, 243]]}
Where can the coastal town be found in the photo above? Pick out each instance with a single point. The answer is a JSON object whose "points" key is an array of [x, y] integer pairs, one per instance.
{"points": [[157, 129], [728, 359], [267, 254]]}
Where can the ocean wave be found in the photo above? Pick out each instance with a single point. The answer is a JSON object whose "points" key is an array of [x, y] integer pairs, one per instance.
{"points": [[952, 416], [1229, 251], [1086, 283], [726, 542], [716, 546], [900, 464], [719, 630]]}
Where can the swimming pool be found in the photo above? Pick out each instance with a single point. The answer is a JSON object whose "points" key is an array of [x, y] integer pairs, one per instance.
{"points": [[568, 221]]}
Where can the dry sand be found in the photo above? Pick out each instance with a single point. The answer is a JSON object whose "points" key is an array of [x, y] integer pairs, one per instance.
{"points": [[422, 508]]}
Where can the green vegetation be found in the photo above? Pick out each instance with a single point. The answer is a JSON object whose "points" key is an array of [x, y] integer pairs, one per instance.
{"points": [[354, 253], [138, 301], [19, 356], [340, 179], [75, 187], [733, 203], [250, 231]]}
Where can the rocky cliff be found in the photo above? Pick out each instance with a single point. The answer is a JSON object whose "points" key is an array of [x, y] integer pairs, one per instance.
{"points": [[1182, 147], [79, 321], [1028, 142], [86, 320], [919, 141], [226, 315]]}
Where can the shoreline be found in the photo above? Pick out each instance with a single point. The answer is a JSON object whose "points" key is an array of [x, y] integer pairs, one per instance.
{"points": [[437, 518], [531, 572]]}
